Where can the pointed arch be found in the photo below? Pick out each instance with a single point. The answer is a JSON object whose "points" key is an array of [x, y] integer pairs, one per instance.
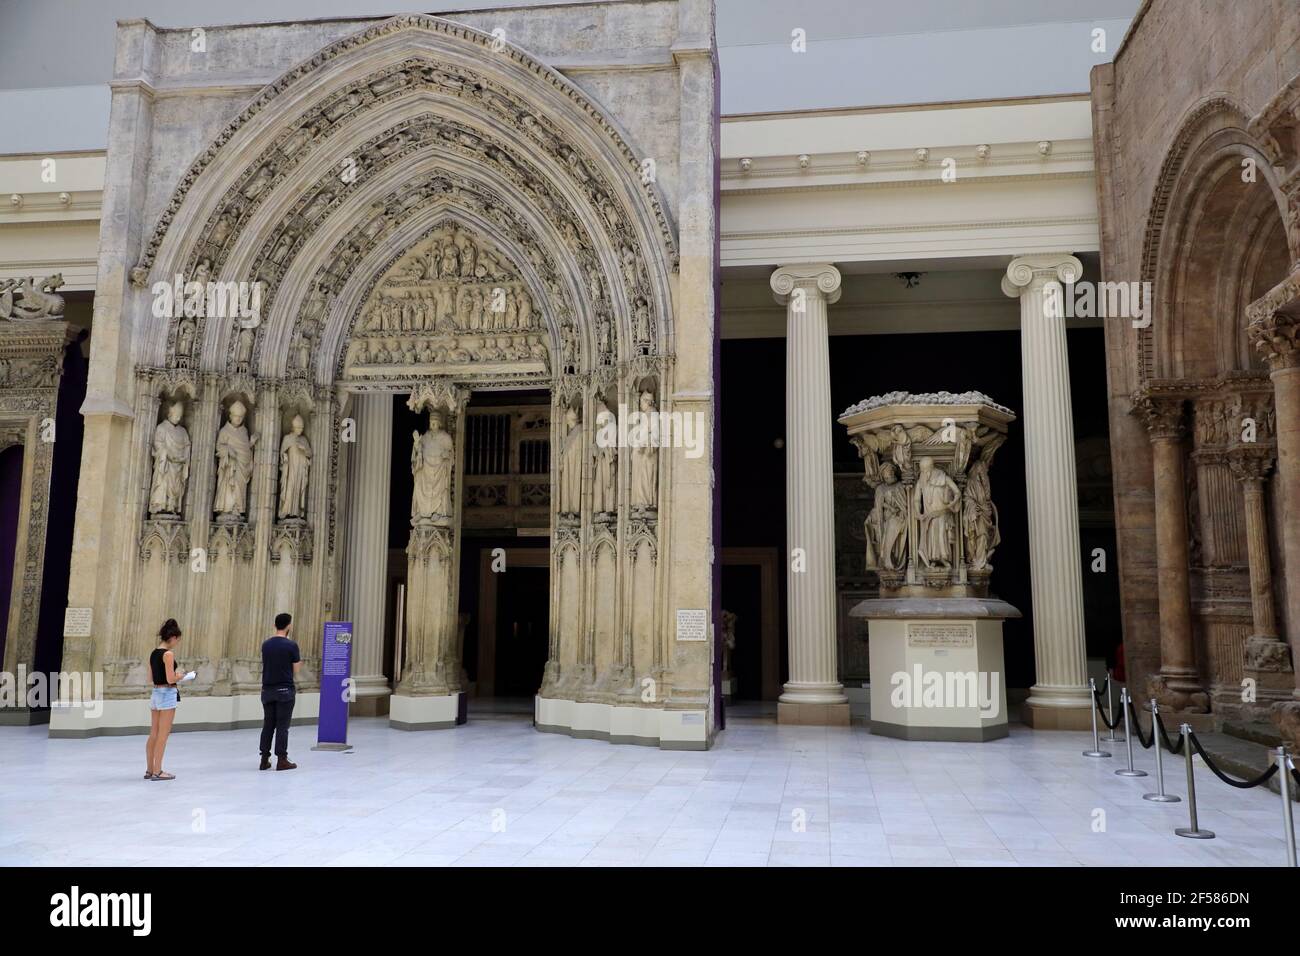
{"points": [[415, 89]]}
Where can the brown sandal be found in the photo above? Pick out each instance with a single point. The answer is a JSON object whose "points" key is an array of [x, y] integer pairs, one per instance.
{"points": [[163, 775]]}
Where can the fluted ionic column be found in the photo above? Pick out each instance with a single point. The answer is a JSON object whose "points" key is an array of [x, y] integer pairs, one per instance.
{"points": [[1178, 684], [813, 694], [1059, 698], [366, 573]]}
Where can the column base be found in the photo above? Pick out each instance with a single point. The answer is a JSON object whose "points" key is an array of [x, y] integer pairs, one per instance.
{"points": [[23, 716], [812, 715], [371, 705], [1040, 717], [1286, 715], [372, 696], [1179, 691]]}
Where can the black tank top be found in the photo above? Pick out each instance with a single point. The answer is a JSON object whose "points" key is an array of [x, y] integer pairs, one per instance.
{"points": [[159, 667]]}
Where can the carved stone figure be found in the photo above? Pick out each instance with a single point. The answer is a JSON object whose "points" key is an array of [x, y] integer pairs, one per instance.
{"points": [[171, 463], [571, 459], [605, 488], [185, 337], [645, 464], [28, 299], [887, 523], [433, 455], [979, 517], [234, 464], [936, 500], [244, 340], [295, 469]]}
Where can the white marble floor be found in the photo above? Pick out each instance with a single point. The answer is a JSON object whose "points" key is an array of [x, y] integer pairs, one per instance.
{"points": [[496, 792]]}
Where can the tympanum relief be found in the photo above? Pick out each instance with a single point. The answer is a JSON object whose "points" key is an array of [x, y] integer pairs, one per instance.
{"points": [[452, 304]]}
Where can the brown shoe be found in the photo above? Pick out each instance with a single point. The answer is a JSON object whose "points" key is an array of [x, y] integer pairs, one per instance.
{"points": [[284, 764], [266, 762]]}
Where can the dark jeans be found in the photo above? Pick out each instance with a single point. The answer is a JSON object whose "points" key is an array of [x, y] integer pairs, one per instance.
{"points": [[277, 710]]}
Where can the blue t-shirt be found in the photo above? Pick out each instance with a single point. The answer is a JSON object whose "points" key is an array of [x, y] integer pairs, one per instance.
{"points": [[279, 654]]}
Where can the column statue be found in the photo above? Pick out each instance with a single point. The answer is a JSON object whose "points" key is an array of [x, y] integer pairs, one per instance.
{"points": [[432, 459], [645, 460], [234, 464], [571, 458], [295, 468], [605, 488], [171, 463]]}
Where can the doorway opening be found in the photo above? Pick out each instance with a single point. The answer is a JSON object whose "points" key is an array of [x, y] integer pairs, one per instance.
{"points": [[504, 580]]}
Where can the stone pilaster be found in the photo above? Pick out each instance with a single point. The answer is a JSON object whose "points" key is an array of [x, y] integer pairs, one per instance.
{"points": [[366, 573], [1059, 698], [813, 694], [1275, 329], [1178, 684]]}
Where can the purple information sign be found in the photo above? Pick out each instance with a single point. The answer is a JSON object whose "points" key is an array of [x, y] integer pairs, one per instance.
{"points": [[335, 670]]}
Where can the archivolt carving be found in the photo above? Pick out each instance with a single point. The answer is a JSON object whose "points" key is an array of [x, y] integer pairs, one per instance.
{"points": [[412, 74], [235, 210], [1216, 118]]}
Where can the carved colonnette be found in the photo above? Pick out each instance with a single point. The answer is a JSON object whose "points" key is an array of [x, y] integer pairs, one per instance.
{"points": [[1215, 443], [32, 343]]}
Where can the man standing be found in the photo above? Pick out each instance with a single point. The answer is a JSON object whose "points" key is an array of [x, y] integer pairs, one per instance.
{"points": [[280, 662]]}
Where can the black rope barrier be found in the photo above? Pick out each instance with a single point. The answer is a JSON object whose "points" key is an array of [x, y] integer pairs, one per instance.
{"points": [[1146, 742], [1096, 699], [1262, 779], [1165, 735]]}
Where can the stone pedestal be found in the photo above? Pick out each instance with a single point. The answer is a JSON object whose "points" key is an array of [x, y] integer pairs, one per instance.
{"points": [[937, 667], [935, 633], [813, 694]]}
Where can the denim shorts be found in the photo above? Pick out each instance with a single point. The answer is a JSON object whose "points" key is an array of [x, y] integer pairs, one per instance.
{"points": [[164, 698]]}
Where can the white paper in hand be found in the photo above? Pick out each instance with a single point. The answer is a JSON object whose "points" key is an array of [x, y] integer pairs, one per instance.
{"points": [[190, 675]]}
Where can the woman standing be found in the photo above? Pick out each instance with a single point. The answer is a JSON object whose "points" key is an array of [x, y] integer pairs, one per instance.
{"points": [[162, 705]]}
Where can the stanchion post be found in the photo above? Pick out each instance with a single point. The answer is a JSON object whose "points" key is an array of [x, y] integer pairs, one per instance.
{"points": [[1096, 750], [1284, 784], [1128, 738], [1110, 710], [1159, 796], [1192, 832]]}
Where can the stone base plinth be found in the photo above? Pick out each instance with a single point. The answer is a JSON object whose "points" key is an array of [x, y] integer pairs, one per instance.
{"points": [[430, 712], [813, 715], [937, 668], [375, 705], [23, 716], [667, 729], [1059, 718], [111, 718]]}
